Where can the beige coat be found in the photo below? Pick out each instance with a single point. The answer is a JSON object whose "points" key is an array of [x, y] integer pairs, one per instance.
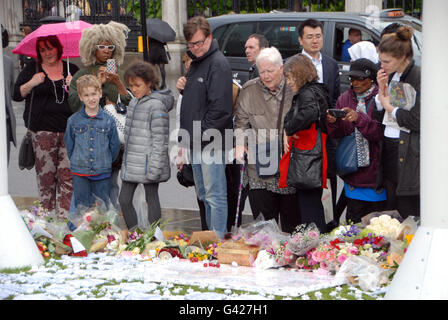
{"points": [[258, 109]]}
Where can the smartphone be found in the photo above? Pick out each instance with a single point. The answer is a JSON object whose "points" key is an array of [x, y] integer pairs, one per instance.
{"points": [[337, 113], [110, 65]]}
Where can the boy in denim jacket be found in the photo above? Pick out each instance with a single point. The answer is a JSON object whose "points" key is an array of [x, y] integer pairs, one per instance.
{"points": [[92, 143]]}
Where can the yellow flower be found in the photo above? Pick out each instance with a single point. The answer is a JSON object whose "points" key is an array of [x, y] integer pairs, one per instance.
{"points": [[409, 238], [136, 251]]}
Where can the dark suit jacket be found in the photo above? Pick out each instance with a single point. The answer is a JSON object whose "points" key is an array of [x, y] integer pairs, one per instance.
{"points": [[253, 72], [332, 81], [331, 78]]}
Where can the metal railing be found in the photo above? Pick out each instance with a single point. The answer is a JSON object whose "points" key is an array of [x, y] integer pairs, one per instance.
{"points": [[218, 7], [35, 12]]}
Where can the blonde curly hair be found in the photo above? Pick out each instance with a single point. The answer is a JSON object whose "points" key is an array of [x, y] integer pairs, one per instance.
{"points": [[113, 32]]}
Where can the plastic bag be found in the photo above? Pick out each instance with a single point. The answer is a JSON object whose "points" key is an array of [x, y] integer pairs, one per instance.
{"points": [[95, 218], [392, 213], [370, 275], [264, 234], [408, 227], [264, 260], [303, 239]]}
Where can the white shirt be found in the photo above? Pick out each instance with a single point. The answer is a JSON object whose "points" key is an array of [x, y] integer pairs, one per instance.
{"points": [[389, 131], [317, 64]]}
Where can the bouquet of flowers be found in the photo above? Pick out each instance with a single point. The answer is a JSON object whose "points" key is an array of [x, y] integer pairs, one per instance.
{"points": [[327, 257], [346, 232], [303, 239], [384, 225], [138, 240]]}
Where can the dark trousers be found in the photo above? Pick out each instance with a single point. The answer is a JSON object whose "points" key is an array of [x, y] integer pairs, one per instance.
{"points": [[356, 209], [311, 207], [233, 176], [152, 200], [406, 205], [273, 205]]}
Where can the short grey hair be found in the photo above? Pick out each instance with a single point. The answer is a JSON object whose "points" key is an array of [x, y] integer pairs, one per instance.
{"points": [[271, 54]]}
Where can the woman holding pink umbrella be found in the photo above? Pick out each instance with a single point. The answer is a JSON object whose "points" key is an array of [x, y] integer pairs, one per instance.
{"points": [[43, 84]]}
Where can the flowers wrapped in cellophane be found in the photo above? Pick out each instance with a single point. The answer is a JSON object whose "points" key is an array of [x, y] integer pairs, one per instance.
{"points": [[96, 227], [303, 239]]}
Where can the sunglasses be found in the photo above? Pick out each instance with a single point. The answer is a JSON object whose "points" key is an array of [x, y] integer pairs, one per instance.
{"points": [[104, 47], [351, 78]]}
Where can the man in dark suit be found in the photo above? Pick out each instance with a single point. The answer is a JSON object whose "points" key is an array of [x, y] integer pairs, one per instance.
{"points": [[253, 46], [311, 39]]}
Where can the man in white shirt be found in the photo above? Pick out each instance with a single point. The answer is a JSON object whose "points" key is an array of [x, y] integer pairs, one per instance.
{"points": [[311, 39]]}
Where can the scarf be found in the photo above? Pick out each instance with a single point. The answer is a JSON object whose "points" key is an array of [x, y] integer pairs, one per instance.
{"points": [[362, 144]]}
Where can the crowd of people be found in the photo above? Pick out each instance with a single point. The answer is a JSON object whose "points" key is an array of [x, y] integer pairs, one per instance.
{"points": [[276, 140]]}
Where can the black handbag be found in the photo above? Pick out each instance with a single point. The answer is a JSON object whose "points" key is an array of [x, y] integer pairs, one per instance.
{"points": [[264, 152], [26, 151], [305, 166], [185, 176]]}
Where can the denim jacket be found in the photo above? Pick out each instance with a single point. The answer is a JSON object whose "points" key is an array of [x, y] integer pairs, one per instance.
{"points": [[92, 142]]}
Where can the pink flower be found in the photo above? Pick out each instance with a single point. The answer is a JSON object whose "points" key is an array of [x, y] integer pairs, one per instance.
{"points": [[313, 234], [300, 262], [353, 250], [312, 262], [88, 218], [330, 256], [318, 256], [342, 258]]}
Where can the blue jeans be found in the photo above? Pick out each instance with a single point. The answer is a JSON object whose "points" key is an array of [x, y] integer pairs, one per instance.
{"points": [[211, 188], [85, 189]]}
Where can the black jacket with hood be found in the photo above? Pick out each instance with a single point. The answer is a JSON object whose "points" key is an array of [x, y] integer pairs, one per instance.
{"points": [[207, 97]]}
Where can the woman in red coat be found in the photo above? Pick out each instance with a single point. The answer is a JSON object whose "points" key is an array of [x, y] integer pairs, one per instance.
{"points": [[363, 193]]}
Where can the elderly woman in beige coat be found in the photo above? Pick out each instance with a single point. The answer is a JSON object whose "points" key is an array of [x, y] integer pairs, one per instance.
{"points": [[256, 123]]}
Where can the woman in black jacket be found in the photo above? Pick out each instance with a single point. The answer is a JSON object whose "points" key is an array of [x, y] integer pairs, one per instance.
{"points": [[43, 84], [399, 96], [301, 122]]}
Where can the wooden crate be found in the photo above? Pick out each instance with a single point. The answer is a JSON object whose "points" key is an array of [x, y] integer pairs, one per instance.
{"points": [[237, 251]]}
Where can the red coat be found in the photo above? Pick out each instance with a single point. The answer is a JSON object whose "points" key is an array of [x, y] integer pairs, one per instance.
{"points": [[307, 140]]}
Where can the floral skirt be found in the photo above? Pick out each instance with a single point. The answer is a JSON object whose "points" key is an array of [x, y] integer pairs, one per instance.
{"points": [[54, 179]]}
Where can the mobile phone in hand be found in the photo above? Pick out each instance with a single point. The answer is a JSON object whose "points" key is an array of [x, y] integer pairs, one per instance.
{"points": [[337, 113], [110, 65]]}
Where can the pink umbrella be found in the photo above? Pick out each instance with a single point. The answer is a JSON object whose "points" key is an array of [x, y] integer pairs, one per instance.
{"points": [[68, 33]]}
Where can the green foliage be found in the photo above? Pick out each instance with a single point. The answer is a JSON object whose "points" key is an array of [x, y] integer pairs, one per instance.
{"points": [[153, 9], [213, 7]]}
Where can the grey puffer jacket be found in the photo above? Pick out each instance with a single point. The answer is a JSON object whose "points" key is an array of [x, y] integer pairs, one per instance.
{"points": [[145, 158]]}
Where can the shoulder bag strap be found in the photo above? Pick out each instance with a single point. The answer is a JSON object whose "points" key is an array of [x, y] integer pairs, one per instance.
{"points": [[279, 119], [31, 100], [282, 103]]}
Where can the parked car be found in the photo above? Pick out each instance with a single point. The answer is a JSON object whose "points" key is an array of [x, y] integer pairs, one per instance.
{"points": [[281, 29]]}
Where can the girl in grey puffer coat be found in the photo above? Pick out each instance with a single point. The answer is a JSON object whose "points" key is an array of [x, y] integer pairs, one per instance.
{"points": [[145, 158]]}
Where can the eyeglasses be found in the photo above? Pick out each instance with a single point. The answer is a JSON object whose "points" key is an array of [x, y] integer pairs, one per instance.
{"points": [[104, 47], [357, 78], [198, 44], [313, 36]]}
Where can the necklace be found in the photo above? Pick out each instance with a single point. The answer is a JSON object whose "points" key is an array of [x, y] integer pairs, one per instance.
{"points": [[56, 94]]}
